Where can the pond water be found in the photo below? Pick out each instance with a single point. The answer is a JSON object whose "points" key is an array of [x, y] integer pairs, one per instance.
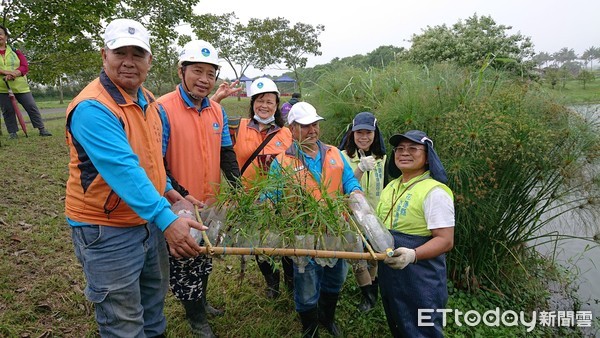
{"points": [[580, 256]]}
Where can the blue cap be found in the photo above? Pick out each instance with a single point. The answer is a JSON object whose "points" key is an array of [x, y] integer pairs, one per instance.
{"points": [[364, 120], [436, 168]]}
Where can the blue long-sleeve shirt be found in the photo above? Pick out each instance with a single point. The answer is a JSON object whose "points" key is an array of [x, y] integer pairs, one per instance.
{"points": [[104, 140]]}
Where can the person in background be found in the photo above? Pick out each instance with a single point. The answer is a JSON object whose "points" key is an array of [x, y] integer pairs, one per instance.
{"points": [[285, 108], [317, 289], [119, 219], [196, 147], [14, 68], [418, 209], [263, 131], [364, 149]]}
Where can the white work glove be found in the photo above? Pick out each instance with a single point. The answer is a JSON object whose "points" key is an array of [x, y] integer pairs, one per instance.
{"points": [[367, 163], [402, 257]]}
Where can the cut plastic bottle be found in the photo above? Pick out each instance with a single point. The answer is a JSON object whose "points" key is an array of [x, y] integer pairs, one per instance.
{"points": [[373, 229]]}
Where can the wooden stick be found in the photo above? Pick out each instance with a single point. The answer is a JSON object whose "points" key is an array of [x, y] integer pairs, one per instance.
{"points": [[204, 236], [369, 248], [218, 250]]}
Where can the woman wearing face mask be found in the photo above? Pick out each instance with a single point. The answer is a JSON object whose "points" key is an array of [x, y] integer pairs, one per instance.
{"points": [[257, 141], [364, 149]]}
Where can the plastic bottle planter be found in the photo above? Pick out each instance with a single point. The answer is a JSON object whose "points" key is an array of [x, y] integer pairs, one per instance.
{"points": [[371, 226], [269, 240], [353, 243], [331, 243], [303, 242], [184, 209]]}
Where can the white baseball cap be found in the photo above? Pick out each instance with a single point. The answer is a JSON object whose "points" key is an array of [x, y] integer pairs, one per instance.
{"points": [[126, 32], [303, 113]]}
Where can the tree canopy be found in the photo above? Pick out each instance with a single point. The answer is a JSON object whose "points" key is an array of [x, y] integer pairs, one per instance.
{"points": [[259, 43], [61, 38], [473, 42]]}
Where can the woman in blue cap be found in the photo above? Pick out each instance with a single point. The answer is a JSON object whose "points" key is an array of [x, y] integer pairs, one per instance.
{"points": [[418, 209], [364, 149]]}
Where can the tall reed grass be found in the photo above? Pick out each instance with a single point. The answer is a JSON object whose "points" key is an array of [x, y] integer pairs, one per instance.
{"points": [[512, 153]]}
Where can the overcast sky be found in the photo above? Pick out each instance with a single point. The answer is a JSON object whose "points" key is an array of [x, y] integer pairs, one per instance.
{"points": [[358, 27]]}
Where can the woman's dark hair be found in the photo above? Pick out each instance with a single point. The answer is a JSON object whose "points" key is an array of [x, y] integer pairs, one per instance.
{"points": [[278, 119], [4, 29], [375, 149]]}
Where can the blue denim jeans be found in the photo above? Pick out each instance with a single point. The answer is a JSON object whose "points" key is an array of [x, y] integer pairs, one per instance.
{"points": [[316, 278], [127, 273]]}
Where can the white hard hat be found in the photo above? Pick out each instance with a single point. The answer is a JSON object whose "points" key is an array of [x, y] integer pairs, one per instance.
{"points": [[303, 113], [199, 51], [263, 85]]}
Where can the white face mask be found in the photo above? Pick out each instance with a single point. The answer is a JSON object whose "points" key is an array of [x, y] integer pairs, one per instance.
{"points": [[264, 121]]}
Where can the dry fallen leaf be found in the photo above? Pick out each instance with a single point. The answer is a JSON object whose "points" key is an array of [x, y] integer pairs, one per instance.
{"points": [[19, 252]]}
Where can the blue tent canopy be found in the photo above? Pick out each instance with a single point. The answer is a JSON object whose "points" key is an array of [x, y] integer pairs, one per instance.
{"points": [[244, 78], [284, 78]]}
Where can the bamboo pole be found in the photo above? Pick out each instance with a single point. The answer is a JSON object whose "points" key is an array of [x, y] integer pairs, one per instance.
{"points": [[365, 242], [199, 219], [218, 250]]}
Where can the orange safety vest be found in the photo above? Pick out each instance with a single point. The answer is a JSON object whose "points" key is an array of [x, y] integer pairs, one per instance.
{"points": [[247, 141], [94, 201], [331, 171], [194, 150]]}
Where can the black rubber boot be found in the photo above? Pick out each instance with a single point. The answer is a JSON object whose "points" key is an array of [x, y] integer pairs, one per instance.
{"points": [[271, 274], [272, 285], [196, 316], [310, 323], [288, 273], [209, 309], [327, 306], [369, 296]]}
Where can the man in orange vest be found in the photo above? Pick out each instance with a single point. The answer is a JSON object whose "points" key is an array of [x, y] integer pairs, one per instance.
{"points": [[316, 165], [197, 146], [114, 203]]}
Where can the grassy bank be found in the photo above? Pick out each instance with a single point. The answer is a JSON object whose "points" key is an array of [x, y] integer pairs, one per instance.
{"points": [[573, 91], [41, 281], [41, 290]]}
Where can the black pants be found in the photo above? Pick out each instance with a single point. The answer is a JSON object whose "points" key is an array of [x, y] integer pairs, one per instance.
{"points": [[267, 268], [8, 111]]}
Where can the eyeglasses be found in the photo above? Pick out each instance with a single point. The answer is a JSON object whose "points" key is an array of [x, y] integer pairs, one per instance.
{"points": [[411, 149]]}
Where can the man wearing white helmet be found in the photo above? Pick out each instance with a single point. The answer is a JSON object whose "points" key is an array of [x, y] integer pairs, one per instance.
{"points": [[114, 205], [317, 289], [196, 146]]}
